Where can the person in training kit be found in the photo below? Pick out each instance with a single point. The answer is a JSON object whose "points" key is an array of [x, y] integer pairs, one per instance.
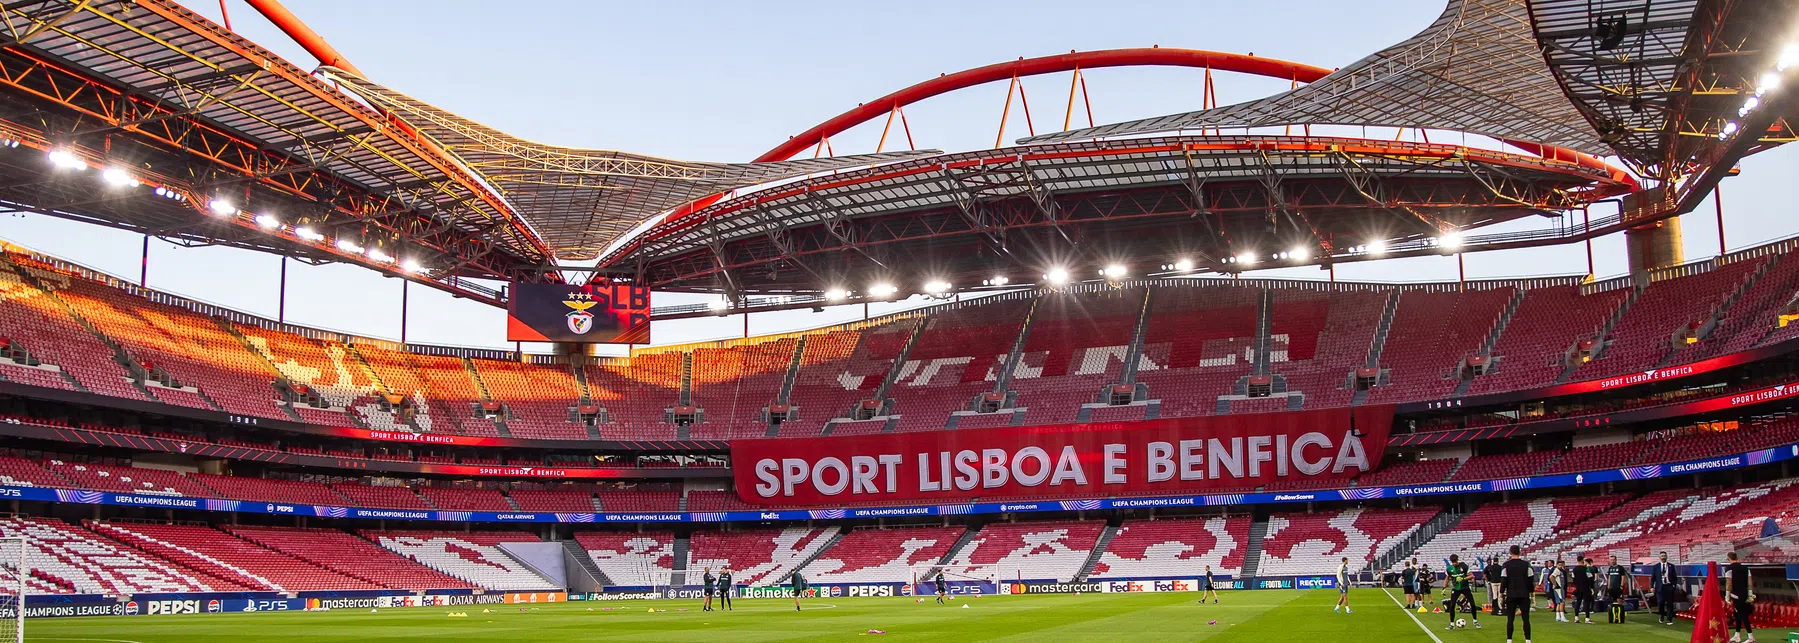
{"points": [[1493, 572], [1742, 597], [1343, 587], [1408, 579], [1460, 580], [724, 588], [1517, 586], [799, 588], [709, 582], [1583, 590], [1209, 588], [1558, 589], [1617, 577], [942, 588], [1424, 578], [1665, 583]]}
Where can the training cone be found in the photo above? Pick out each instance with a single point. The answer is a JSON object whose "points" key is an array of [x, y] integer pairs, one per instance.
{"points": [[964, 606], [1212, 622]]}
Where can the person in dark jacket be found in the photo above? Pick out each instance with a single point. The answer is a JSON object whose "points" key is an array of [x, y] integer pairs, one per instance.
{"points": [[1518, 584], [1583, 590], [1666, 584], [724, 589], [1742, 600], [1494, 571]]}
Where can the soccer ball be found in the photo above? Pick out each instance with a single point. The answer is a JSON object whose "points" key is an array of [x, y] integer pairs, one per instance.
{"points": [[1461, 622]]}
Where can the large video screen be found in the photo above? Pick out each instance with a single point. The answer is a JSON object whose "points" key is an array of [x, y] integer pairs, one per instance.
{"points": [[603, 312]]}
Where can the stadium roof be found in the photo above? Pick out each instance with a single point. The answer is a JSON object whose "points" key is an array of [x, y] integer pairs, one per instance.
{"points": [[1660, 79], [580, 200], [1213, 195], [1475, 69]]}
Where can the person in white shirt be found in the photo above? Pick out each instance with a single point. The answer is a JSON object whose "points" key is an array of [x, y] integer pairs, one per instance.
{"points": [[1343, 588]]}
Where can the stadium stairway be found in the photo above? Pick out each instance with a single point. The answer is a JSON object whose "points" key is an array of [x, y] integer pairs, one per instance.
{"points": [[263, 359], [1442, 522], [1003, 379], [1252, 553], [918, 330], [678, 574], [572, 551], [961, 541], [1486, 347], [1380, 342], [1099, 547], [1604, 333], [1135, 353], [835, 538]]}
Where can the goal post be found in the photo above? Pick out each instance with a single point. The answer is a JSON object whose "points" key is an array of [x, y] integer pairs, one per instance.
{"points": [[924, 576], [15, 571]]}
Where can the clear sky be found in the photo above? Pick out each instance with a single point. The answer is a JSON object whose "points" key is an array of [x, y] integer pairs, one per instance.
{"points": [[725, 81]]}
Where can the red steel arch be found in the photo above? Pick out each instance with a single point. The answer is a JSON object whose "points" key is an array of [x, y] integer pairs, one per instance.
{"points": [[1137, 57]]}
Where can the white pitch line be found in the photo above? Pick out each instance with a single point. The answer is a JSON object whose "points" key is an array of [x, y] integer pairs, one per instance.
{"points": [[1408, 612]]}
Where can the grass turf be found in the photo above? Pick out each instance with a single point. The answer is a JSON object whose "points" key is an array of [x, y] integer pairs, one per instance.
{"points": [[1266, 615]]}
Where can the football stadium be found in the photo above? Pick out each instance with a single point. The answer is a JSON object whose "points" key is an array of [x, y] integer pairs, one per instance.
{"points": [[1423, 340]]}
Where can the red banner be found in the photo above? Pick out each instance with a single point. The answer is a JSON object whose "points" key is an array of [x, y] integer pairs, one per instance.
{"points": [[1172, 456]]}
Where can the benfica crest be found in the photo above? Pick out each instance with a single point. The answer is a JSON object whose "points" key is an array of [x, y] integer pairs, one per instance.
{"points": [[579, 320]]}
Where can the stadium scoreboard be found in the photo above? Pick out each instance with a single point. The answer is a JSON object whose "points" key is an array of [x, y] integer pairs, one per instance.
{"points": [[601, 312]]}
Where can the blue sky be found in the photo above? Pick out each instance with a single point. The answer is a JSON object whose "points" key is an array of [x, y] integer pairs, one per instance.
{"points": [[725, 81]]}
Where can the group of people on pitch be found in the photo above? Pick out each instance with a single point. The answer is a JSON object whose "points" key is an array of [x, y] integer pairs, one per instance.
{"points": [[1512, 588], [720, 584]]}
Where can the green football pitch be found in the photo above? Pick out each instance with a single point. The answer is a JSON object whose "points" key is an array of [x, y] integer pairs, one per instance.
{"points": [[1303, 616]]}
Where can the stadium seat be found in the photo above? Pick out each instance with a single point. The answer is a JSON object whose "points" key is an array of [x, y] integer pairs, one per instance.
{"points": [[882, 555], [472, 556], [1179, 548], [1029, 551], [755, 556]]}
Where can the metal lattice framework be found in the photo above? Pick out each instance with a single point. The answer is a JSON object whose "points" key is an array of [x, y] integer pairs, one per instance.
{"points": [[581, 200], [1475, 69], [1675, 72], [1212, 195], [185, 105]]}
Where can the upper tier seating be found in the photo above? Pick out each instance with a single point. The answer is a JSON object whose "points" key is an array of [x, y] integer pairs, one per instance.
{"points": [[1431, 333], [839, 369], [637, 392], [1644, 336], [1532, 350], [40, 324], [1303, 544], [1199, 340], [959, 357], [734, 384], [221, 556], [537, 398], [330, 371], [755, 556], [1076, 346], [1010, 552], [429, 409], [1318, 336], [472, 556], [193, 349], [349, 555], [882, 555], [68, 560], [631, 558], [1175, 549]]}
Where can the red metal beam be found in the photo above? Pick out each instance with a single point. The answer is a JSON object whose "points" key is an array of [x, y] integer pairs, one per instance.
{"points": [[1138, 57], [308, 39]]}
